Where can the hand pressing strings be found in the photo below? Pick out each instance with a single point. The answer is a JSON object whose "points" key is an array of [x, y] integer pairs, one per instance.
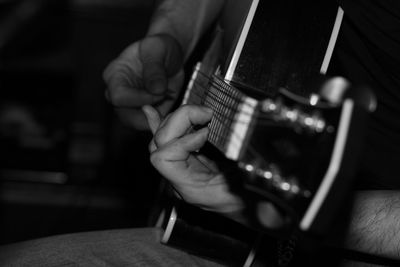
{"points": [[173, 153]]}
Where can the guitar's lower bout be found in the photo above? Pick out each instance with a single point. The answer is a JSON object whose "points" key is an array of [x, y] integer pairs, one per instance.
{"points": [[216, 238]]}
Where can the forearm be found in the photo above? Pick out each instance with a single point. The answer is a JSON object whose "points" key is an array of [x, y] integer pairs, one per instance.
{"points": [[185, 20], [375, 223], [374, 226]]}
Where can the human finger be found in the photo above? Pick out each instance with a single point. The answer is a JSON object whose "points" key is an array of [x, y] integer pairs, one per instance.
{"points": [[153, 117], [181, 121], [152, 53], [162, 58], [125, 88], [175, 85], [132, 117], [170, 159]]}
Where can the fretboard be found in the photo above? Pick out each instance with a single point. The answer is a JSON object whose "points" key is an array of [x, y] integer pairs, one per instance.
{"points": [[233, 111]]}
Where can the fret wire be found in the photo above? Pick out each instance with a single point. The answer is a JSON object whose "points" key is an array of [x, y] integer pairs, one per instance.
{"points": [[229, 97], [216, 122], [215, 135], [221, 82], [219, 135], [219, 118], [232, 115], [224, 87], [210, 104], [231, 106], [225, 130], [224, 100], [219, 94], [228, 92], [226, 105], [213, 122], [220, 127], [213, 96], [236, 96]]}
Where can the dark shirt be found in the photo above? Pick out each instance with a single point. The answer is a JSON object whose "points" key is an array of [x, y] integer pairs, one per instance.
{"points": [[368, 52]]}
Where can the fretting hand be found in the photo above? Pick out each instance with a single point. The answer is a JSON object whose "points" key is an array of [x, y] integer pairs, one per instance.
{"points": [[195, 178], [173, 153]]}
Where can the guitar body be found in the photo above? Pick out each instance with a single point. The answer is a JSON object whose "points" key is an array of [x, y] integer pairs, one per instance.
{"points": [[210, 236], [290, 143], [266, 45]]}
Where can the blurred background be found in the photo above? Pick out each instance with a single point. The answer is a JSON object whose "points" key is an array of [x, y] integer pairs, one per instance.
{"points": [[66, 162]]}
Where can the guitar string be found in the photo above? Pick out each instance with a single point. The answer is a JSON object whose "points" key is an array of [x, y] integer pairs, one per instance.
{"points": [[264, 118], [249, 146], [211, 92], [211, 96], [227, 114], [217, 133], [230, 117], [225, 84], [230, 92], [219, 136], [207, 102], [211, 103], [238, 84], [238, 96], [214, 96], [241, 95], [225, 87]]}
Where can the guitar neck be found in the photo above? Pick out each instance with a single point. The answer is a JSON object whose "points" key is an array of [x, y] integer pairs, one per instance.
{"points": [[233, 111]]}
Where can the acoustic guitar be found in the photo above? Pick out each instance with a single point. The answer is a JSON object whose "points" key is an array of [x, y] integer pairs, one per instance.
{"points": [[292, 135]]}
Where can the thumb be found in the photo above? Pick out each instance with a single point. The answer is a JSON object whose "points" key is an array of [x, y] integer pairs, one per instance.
{"points": [[154, 73], [171, 158], [161, 58], [194, 141]]}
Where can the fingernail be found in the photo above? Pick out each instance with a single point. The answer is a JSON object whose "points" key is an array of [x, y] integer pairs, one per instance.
{"points": [[153, 119], [147, 110], [149, 113]]}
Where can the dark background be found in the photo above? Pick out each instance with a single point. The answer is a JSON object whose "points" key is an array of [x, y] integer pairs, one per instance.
{"points": [[66, 162]]}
